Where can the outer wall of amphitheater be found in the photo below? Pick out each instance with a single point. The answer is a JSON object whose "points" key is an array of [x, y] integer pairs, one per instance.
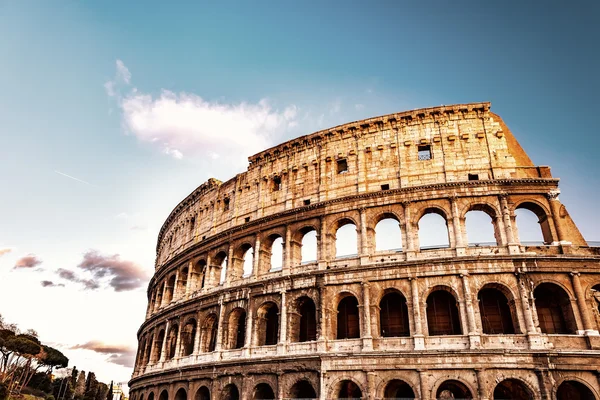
{"points": [[237, 307]]}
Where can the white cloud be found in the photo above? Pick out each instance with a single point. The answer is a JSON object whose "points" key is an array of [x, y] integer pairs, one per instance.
{"points": [[185, 124]]}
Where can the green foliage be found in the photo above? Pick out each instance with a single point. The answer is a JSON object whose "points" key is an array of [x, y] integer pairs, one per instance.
{"points": [[54, 358]]}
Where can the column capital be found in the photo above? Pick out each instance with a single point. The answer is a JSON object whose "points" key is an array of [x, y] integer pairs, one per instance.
{"points": [[553, 194], [575, 274]]}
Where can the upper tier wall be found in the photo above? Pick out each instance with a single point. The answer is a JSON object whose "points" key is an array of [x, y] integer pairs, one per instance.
{"points": [[464, 141]]}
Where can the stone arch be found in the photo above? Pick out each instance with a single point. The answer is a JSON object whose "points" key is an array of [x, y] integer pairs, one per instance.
{"points": [[243, 260], [219, 266], [208, 338], [303, 321], [182, 281], [271, 253], [443, 314], [304, 245], [345, 238], [148, 350], [453, 389], [236, 328], [541, 212], [267, 324], [158, 345], [169, 289], [164, 395], [513, 389], [172, 342], [554, 309], [181, 394], [263, 391], [426, 227], [151, 395], [158, 298], [188, 337], [302, 389], [573, 388], [476, 210], [230, 392], [497, 309], [346, 388], [199, 274], [398, 389], [203, 393], [393, 314], [387, 232], [347, 317]]}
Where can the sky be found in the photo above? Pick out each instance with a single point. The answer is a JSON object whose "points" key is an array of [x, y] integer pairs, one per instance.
{"points": [[112, 112]]}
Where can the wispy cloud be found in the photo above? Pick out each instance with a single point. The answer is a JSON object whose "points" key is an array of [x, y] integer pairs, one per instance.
{"points": [[72, 177], [4, 251], [27, 262], [88, 284], [122, 275], [119, 354], [51, 284]]}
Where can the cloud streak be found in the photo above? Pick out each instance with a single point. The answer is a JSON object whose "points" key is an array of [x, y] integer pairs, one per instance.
{"points": [[72, 177], [122, 275], [119, 354], [71, 276], [51, 284], [27, 262]]}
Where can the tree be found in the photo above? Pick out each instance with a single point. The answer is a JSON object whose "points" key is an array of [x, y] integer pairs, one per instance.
{"points": [[80, 386], [91, 387], [109, 394], [74, 374], [102, 391]]}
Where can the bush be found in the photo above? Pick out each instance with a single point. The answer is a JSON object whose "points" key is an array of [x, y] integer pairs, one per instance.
{"points": [[3, 391]]}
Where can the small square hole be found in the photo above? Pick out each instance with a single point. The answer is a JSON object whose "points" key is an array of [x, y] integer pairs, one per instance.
{"points": [[203, 237], [473, 177], [342, 166], [385, 187], [425, 152], [247, 219], [306, 202]]}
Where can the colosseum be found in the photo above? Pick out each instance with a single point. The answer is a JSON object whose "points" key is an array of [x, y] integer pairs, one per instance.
{"points": [[276, 285]]}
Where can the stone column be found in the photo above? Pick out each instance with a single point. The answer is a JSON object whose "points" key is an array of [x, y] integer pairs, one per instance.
{"points": [[322, 246], [513, 246], [425, 391], [418, 337], [542, 382], [474, 336], [230, 273], [481, 386], [410, 232], [458, 231], [176, 295], [196, 350], [371, 387], [163, 347], [248, 343], [287, 251], [220, 322], [526, 303], [178, 341], [581, 304], [280, 392], [367, 338], [188, 286], [152, 348], [322, 334], [281, 345], [322, 384], [364, 241], [555, 210], [163, 301], [256, 257]]}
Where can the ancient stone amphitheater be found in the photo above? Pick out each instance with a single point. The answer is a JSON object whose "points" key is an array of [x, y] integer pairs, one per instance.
{"points": [[256, 295]]}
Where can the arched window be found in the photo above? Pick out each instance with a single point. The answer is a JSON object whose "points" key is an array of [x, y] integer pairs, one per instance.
{"points": [[348, 323], [158, 346], [442, 314], [481, 230], [345, 239], [182, 282], [199, 275], [209, 334], [172, 342], [237, 328], [453, 390], [247, 260], [164, 395], [263, 391], [151, 396], [433, 230], [397, 389], [495, 312], [309, 246], [223, 267], [302, 390], [596, 296], [532, 223], [308, 320], [181, 394], [159, 295], [512, 389], [573, 390], [268, 324], [188, 337], [554, 310], [230, 392], [277, 254], [393, 315], [148, 350], [349, 390], [388, 235], [203, 393], [169, 289]]}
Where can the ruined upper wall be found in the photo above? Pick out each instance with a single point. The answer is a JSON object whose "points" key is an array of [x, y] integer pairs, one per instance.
{"points": [[456, 143]]}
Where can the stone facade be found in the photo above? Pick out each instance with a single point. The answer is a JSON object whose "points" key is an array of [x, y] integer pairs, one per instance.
{"points": [[499, 320]]}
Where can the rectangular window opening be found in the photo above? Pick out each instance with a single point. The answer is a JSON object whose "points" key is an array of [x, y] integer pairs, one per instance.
{"points": [[342, 166], [306, 202], [247, 219], [276, 183], [385, 187], [225, 204], [473, 177], [425, 152]]}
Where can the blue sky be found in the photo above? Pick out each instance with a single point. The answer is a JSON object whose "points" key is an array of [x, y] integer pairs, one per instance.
{"points": [[279, 70]]}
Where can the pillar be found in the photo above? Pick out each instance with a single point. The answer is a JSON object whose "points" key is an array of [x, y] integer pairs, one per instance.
{"points": [[481, 386], [322, 334], [581, 304], [219, 344], [555, 210], [542, 382], [287, 251], [322, 255], [364, 241], [410, 231], [457, 228], [248, 343], [367, 338], [282, 325], [178, 341], [513, 246], [188, 286], [532, 333], [198, 336], [418, 337], [371, 386], [163, 347], [474, 336], [425, 394], [229, 276], [256, 257]]}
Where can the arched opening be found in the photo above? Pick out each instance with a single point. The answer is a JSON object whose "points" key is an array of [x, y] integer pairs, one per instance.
{"points": [[172, 342], [573, 390], [158, 346], [164, 395], [308, 251], [512, 389], [480, 227], [263, 391], [453, 390], [388, 235], [442, 314], [188, 337], [307, 329], [209, 334], [223, 270], [393, 315], [230, 392], [532, 224], [596, 297], [182, 282], [181, 394], [302, 390], [148, 350], [151, 396], [277, 254], [433, 230], [554, 311], [158, 298], [199, 275], [247, 260], [237, 329], [346, 239], [348, 322], [203, 393], [169, 289], [268, 324], [397, 389], [347, 389], [496, 317]]}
